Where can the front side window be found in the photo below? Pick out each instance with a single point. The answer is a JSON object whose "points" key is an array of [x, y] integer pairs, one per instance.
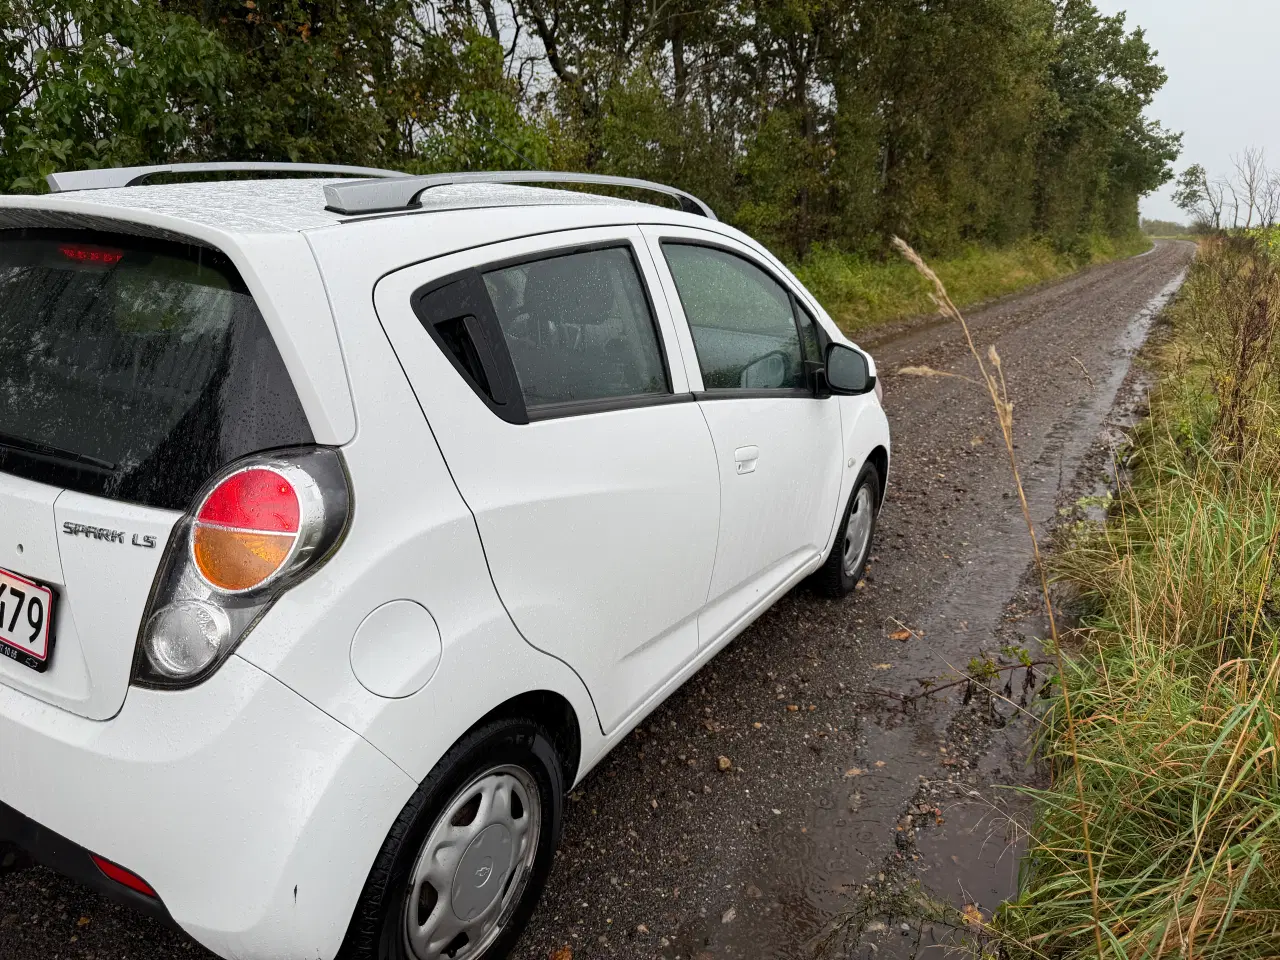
{"points": [[810, 338], [578, 328], [741, 319]]}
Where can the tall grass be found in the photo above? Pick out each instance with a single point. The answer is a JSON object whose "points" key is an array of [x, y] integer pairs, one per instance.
{"points": [[1175, 681], [860, 292]]}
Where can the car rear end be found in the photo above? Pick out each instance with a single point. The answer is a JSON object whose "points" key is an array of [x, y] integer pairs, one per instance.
{"points": [[168, 473]]}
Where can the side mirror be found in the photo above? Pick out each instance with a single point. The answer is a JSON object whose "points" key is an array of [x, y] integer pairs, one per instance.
{"points": [[848, 371]]}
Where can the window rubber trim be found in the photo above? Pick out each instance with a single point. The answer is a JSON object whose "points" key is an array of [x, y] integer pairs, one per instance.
{"points": [[737, 393], [496, 362], [518, 411], [578, 408]]}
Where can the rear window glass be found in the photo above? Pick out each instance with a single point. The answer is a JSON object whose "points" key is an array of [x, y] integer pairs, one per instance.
{"points": [[133, 369]]}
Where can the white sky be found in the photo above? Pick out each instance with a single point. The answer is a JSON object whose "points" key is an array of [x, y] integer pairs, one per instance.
{"points": [[1222, 89]]}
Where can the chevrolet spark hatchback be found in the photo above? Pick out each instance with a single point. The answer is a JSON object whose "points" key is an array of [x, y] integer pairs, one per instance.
{"points": [[346, 524]]}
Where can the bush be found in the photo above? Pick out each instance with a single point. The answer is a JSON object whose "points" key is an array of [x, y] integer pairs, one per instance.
{"points": [[859, 291]]}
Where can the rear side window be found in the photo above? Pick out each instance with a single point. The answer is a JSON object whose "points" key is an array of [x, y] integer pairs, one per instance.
{"points": [[133, 369], [559, 331], [578, 328], [743, 326]]}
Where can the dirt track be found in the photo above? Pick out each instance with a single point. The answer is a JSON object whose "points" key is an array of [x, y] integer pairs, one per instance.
{"points": [[829, 807]]}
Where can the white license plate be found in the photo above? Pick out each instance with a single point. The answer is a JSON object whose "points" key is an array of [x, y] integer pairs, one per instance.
{"points": [[26, 615]]}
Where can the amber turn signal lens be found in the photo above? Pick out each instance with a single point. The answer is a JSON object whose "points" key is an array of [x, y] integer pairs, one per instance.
{"points": [[238, 559]]}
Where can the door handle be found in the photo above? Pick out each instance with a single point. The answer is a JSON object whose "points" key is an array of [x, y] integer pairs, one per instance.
{"points": [[746, 458]]}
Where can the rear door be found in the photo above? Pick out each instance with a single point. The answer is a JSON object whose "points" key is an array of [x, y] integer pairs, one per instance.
{"points": [[778, 445], [131, 370], [561, 404]]}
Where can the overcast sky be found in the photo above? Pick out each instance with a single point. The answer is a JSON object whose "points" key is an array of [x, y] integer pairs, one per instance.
{"points": [[1222, 89]]}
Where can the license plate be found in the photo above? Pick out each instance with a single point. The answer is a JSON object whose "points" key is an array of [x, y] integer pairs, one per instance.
{"points": [[26, 616]]}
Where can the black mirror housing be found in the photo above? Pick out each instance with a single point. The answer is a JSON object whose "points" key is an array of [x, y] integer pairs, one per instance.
{"points": [[848, 372]]}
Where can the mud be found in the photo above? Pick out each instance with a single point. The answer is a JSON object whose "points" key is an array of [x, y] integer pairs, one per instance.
{"points": [[846, 811]]}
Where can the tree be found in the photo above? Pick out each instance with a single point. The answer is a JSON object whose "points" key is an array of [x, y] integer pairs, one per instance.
{"points": [[1269, 201], [1251, 177], [837, 122], [91, 83], [1100, 152], [1201, 198]]}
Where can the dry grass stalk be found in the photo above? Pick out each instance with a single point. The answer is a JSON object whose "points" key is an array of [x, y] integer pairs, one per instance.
{"points": [[998, 389]]}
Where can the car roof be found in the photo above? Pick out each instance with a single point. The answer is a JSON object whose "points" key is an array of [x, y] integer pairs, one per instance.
{"points": [[288, 205]]}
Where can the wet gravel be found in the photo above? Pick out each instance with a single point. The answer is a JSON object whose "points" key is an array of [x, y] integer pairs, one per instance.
{"points": [[839, 806]]}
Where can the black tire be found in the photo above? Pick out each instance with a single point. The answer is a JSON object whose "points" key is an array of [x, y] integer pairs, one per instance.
{"points": [[832, 579], [376, 929]]}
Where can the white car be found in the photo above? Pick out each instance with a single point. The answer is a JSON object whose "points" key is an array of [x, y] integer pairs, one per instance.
{"points": [[346, 523]]}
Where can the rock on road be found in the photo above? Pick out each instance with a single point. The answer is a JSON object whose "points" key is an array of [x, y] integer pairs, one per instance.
{"points": [[833, 792]]}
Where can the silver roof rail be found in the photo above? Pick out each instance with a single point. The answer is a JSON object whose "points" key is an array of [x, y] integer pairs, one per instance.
{"points": [[383, 196], [130, 176]]}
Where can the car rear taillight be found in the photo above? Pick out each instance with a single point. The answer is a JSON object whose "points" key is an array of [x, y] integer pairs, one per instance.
{"points": [[255, 531]]}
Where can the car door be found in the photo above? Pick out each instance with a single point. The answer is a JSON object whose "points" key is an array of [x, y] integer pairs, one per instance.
{"points": [[559, 399], [778, 444]]}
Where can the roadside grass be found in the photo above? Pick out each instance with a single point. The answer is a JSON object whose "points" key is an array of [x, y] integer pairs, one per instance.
{"points": [[859, 292], [1170, 795]]}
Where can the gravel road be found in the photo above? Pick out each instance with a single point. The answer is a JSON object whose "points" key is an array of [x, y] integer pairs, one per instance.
{"points": [[839, 801]]}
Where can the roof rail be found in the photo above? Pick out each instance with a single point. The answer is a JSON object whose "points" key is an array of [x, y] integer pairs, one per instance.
{"points": [[382, 196], [130, 176]]}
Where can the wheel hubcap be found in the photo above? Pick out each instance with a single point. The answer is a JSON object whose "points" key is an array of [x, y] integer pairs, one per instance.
{"points": [[473, 867], [477, 880], [857, 532]]}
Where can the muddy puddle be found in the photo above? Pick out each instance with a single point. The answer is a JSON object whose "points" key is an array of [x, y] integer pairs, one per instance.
{"points": [[927, 811]]}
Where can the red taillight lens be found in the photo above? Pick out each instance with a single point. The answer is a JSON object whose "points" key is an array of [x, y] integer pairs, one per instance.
{"points": [[246, 529], [258, 498], [126, 878]]}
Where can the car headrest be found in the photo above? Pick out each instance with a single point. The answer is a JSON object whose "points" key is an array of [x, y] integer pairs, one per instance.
{"points": [[572, 289]]}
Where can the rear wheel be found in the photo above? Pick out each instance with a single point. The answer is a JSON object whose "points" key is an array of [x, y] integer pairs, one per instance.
{"points": [[848, 558], [465, 863]]}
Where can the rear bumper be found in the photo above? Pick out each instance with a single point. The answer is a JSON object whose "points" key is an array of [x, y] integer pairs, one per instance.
{"points": [[253, 815], [72, 860]]}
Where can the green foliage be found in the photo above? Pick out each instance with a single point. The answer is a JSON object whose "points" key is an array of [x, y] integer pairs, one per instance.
{"points": [[112, 82], [91, 83], [1176, 692], [1165, 228], [833, 123], [859, 291]]}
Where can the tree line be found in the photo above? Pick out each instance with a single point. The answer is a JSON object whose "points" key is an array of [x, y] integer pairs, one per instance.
{"points": [[1246, 197], [835, 122]]}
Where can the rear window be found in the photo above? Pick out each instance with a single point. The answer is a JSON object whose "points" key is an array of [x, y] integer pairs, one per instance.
{"points": [[133, 369]]}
